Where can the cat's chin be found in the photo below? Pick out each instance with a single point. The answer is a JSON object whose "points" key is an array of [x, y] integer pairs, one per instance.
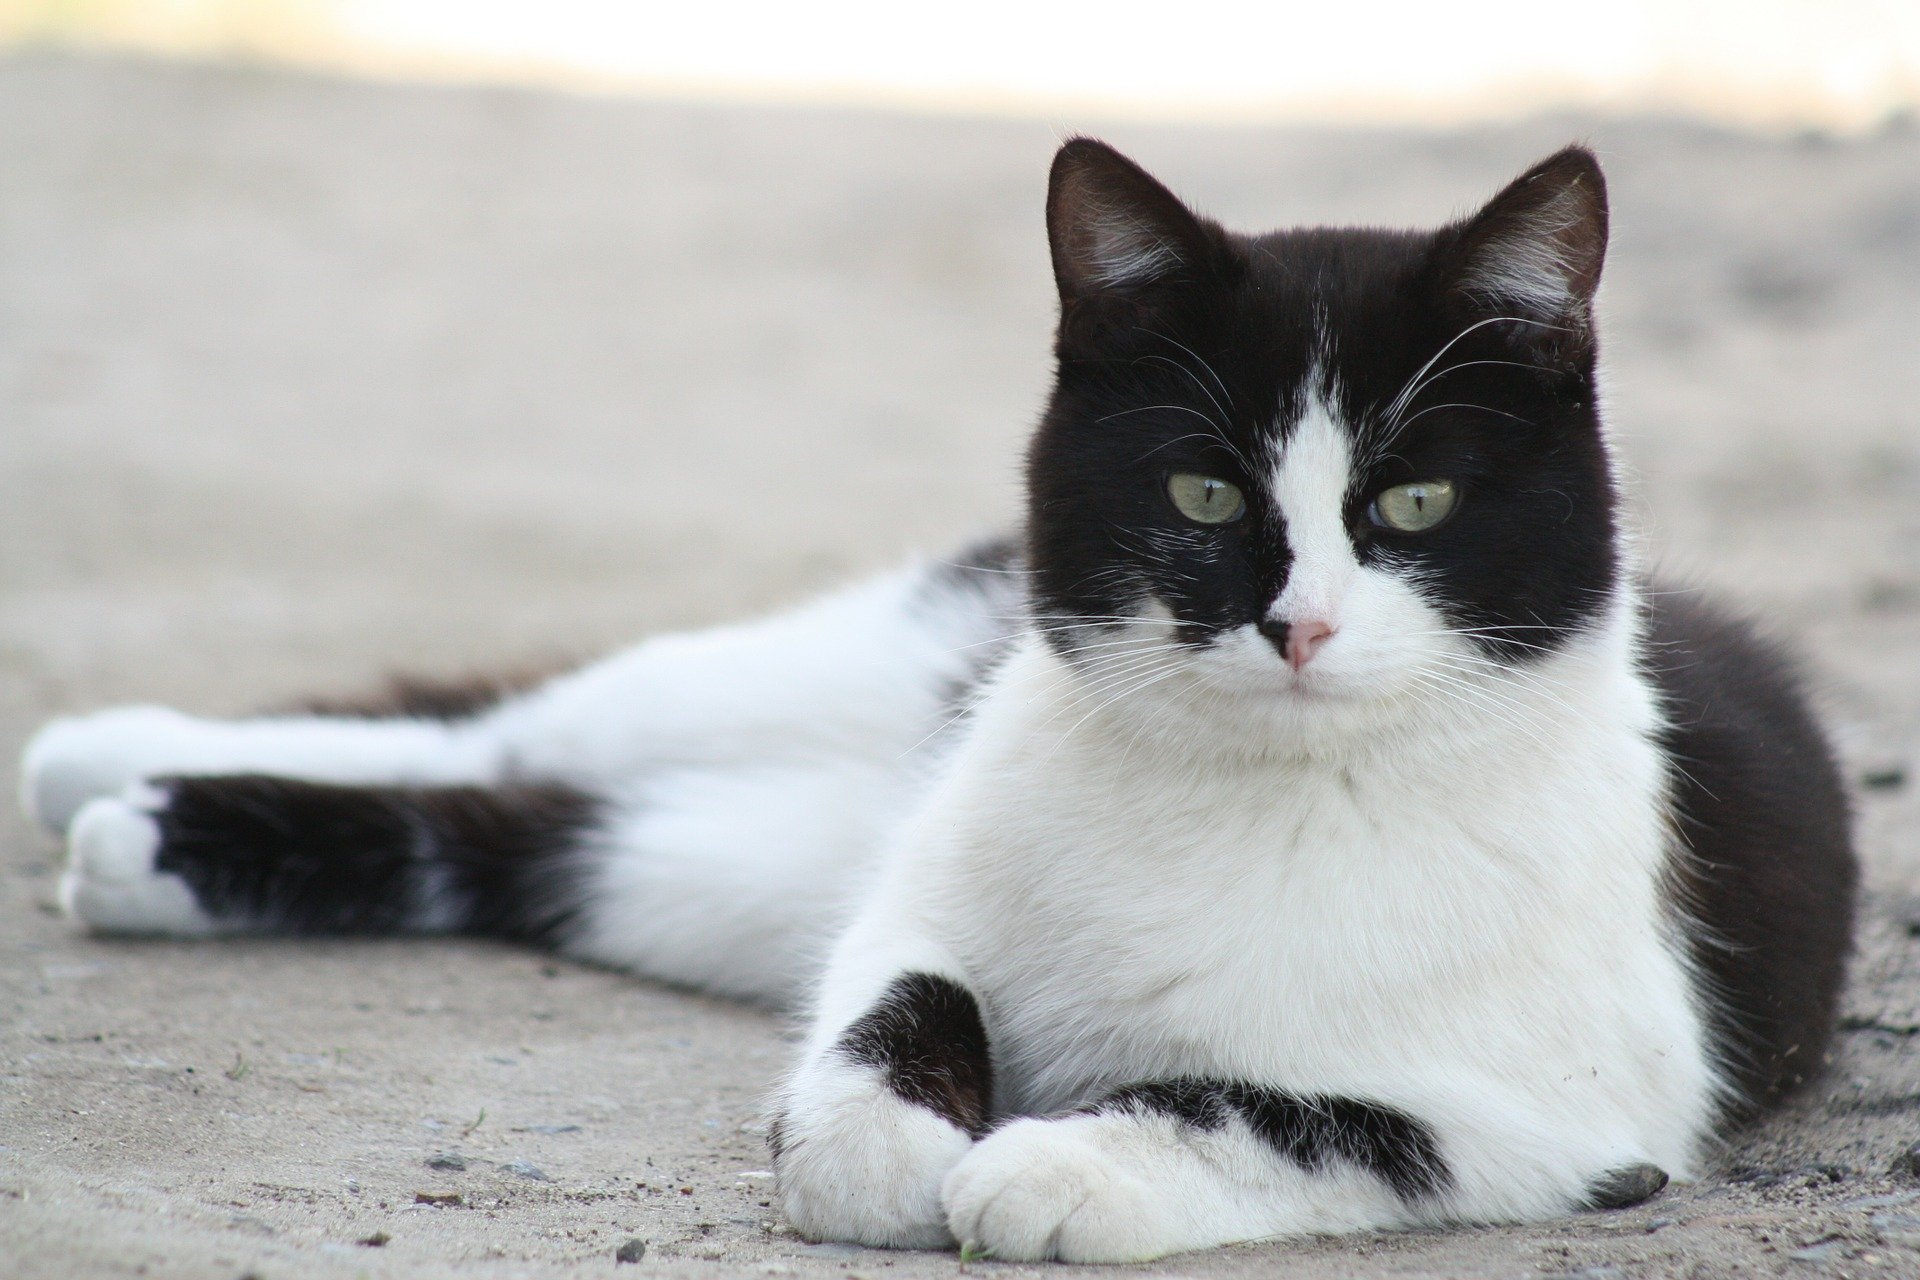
{"points": [[1278, 685]]}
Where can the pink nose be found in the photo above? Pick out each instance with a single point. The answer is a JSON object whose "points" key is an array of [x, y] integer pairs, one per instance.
{"points": [[1304, 640]]}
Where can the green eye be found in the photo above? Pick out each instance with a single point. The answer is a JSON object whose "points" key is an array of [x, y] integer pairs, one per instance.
{"points": [[1206, 499], [1413, 508]]}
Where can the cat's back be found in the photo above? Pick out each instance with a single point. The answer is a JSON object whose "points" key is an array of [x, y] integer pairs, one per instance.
{"points": [[1767, 868]]}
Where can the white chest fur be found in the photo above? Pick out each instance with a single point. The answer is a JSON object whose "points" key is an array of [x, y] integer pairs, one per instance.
{"points": [[1469, 920]]}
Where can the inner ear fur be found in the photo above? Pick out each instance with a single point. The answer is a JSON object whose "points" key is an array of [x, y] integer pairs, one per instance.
{"points": [[1535, 251], [1115, 231]]}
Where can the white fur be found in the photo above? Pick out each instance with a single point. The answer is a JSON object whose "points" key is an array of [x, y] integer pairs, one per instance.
{"points": [[111, 884], [1121, 249], [859, 1163], [1309, 487], [77, 758], [1402, 873]]}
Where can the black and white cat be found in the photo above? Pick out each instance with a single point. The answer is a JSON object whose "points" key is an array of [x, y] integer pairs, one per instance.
{"points": [[1314, 824]]}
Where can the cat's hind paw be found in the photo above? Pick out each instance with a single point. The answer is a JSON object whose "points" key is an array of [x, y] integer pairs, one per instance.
{"points": [[1041, 1189], [111, 883], [81, 758]]}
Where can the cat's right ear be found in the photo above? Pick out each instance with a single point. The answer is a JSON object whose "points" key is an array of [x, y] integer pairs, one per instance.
{"points": [[1115, 231]]}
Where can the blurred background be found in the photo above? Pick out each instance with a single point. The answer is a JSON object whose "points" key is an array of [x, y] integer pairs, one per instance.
{"points": [[338, 335], [346, 336], [343, 334], [1777, 63]]}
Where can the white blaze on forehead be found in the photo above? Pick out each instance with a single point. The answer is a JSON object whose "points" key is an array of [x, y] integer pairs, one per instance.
{"points": [[1311, 474]]}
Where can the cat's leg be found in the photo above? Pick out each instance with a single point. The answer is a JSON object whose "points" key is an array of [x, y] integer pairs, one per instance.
{"points": [[80, 758], [251, 853], [739, 783], [868, 673], [728, 880], [891, 1091], [865, 671], [1188, 1164], [1175, 1165]]}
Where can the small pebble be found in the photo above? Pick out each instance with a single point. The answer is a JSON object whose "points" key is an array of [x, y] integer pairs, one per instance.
{"points": [[430, 1197], [525, 1169], [378, 1240], [447, 1161], [632, 1251], [1884, 779]]}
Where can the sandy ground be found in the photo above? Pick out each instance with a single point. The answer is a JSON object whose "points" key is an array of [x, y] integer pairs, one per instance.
{"points": [[304, 381]]}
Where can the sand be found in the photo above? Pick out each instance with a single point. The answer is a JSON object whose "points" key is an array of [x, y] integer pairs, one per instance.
{"points": [[303, 381]]}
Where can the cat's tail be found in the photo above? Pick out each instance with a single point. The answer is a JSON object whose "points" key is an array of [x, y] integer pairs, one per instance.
{"points": [[252, 853]]}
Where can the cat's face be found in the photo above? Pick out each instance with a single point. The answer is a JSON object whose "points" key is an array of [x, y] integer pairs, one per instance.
{"points": [[1321, 467]]}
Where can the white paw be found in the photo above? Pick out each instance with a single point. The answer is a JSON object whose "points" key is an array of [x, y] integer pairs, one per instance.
{"points": [[1041, 1189], [110, 884], [858, 1164], [81, 758]]}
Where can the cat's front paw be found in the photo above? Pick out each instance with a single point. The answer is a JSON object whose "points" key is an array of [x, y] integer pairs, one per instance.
{"points": [[1041, 1189], [857, 1163], [80, 758]]}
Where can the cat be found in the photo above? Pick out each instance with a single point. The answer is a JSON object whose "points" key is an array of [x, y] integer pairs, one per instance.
{"points": [[1312, 822]]}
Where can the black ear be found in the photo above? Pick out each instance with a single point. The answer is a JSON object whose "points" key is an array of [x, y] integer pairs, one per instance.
{"points": [[1114, 230], [1535, 251]]}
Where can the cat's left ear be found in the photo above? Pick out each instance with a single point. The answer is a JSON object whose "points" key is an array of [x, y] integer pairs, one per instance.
{"points": [[1535, 251], [1116, 232]]}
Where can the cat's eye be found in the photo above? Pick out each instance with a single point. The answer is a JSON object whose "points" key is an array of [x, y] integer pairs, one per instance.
{"points": [[1205, 499], [1413, 508]]}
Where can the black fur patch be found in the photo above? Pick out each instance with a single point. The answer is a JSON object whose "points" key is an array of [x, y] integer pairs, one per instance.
{"points": [[431, 697], [1312, 1131], [1627, 1186], [926, 1034], [304, 857], [1768, 873]]}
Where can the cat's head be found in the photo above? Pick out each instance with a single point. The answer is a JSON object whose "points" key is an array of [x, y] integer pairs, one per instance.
{"points": [[1321, 467]]}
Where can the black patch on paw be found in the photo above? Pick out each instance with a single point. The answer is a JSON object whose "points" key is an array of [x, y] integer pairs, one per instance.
{"points": [[1626, 1186], [1311, 1130], [927, 1036], [305, 857]]}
